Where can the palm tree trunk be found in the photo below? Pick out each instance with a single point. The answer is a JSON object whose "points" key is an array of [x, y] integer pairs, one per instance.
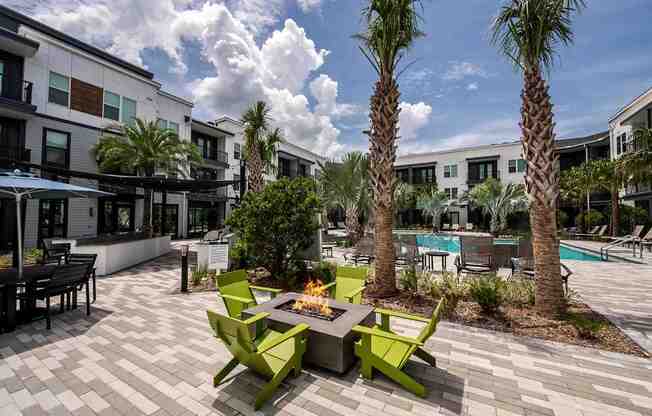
{"points": [[255, 179], [352, 224], [615, 213], [382, 153], [542, 184]]}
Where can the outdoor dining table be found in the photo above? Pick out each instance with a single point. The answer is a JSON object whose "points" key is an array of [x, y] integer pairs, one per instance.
{"points": [[9, 284]]}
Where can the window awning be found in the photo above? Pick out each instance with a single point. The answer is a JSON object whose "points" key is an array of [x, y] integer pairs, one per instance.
{"points": [[483, 159]]}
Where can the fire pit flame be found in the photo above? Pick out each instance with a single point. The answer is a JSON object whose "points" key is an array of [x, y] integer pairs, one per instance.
{"points": [[314, 299]]}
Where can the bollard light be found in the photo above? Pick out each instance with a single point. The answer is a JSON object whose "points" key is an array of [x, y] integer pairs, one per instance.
{"points": [[184, 267]]}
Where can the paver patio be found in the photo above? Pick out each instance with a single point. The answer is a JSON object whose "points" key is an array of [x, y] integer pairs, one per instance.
{"points": [[147, 350]]}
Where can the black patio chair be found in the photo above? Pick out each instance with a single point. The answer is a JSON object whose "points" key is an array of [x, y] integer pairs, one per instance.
{"points": [[77, 258], [476, 255], [54, 252], [363, 252], [64, 281], [523, 267]]}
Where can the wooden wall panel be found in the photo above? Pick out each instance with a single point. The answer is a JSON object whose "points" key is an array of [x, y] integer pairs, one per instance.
{"points": [[86, 98]]}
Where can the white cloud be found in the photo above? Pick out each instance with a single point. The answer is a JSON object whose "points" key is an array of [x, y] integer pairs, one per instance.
{"points": [[250, 63], [497, 131], [412, 118], [457, 71], [473, 86]]}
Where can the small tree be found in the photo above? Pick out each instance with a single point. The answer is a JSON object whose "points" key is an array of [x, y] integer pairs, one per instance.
{"points": [[433, 204], [498, 201], [276, 224]]}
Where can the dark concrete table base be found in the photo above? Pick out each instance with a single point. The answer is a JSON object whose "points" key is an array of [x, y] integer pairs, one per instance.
{"points": [[330, 343]]}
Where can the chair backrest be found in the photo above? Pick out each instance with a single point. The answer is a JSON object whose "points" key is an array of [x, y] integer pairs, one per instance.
{"points": [[648, 236], [594, 229], [68, 275], [469, 226], [239, 338], [446, 227], [348, 279], [235, 284], [603, 230], [365, 247], [477, 250], [77, 258], [430, 329], [638, 230], [215, 235]]}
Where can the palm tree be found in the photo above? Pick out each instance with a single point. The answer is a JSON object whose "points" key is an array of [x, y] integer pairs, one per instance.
{"points": [[260, 144], [577, 183], [145, 149], [391, 28], [346, 185], [434, 204], [610, 178], [498, 201], [528, 32]]}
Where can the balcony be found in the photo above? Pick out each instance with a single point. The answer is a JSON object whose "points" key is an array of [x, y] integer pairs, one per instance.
{"points": [[217, 157], [16, 99], [14, 157], [475, 180]]}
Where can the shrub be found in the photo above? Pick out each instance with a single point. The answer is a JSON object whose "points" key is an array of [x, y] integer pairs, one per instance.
{"points": [[199, 274], [487, 291], [449, 287], [519, 292], [589, 218], [325, 271], [409, 280], [631, 217], [586, 328], [274, 226]]}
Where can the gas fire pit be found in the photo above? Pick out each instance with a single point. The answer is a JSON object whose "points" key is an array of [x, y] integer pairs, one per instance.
{"points": [[330, 339]]}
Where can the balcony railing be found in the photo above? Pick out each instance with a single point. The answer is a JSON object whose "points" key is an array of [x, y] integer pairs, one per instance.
{"points": [[23, 95], [217, 156], [474, 180], [18, 154]]}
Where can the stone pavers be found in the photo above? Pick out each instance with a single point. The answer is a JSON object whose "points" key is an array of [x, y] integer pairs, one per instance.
{"points": [[620, 291], [147, 350]]}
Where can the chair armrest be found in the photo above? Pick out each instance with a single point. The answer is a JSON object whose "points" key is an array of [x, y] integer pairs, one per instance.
{"points": [[387, 335], [292, 333], [273, 291], [567, 270], [329, 285], [354, 293], [388, 312], [244, 301], [256, 318]]}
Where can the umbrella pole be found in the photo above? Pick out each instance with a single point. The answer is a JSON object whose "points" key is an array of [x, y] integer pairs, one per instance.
{"points": [[19, 228]]}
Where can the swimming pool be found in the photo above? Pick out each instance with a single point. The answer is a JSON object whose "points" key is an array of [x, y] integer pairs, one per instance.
{"points": [[452, 244]]}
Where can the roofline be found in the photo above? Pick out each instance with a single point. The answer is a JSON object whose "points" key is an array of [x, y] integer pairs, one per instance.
{"points": [[628, 106], [205, 124], [28, 21], [227, 118], [461, 149], [599, 139], [175, 98], [317, 156]]}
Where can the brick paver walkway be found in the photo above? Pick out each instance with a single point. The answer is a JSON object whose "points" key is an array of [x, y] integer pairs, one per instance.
{"points": [[147, 350]]}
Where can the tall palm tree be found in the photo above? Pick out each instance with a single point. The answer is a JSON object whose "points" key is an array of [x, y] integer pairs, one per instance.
{"points": [[498, 201], [145, 149], [392, 26], [434, 204], [528, 32], [346, 185], [260, 144]]}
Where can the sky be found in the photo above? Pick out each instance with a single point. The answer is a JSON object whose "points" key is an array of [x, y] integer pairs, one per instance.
{"points": [[300, 57]]}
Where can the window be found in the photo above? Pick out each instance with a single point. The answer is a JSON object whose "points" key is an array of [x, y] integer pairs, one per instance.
{"points": [[56, 148], [174, 127], [451, 193], [59, 89], [128, 111], [236, 151], [236, 185], [424, 175], [450, 171], [161, 124], [52, 218], [111, 106], [403, 175], [516, 165]]}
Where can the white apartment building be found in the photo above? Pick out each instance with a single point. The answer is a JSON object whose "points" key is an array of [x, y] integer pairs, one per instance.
{"points": [[637, 114]]}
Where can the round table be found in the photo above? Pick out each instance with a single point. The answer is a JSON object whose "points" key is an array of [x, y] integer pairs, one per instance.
{"points": [[428, 261]]}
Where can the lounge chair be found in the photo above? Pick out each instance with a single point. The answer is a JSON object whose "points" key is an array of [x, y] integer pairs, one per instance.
{"points": [[269, 353], [236, 292], [381, 349], [363, 252], [469, 226], [591, 233], [636, 233], [349, 284], [601, 233], [446, 227], [476, 255], [341, 225], [645, 241], [456, 227]]}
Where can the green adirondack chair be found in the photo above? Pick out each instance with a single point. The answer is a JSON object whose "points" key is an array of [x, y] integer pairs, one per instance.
{"points": [[236, 293], [269, 353], [381, 349], [349, 284]]}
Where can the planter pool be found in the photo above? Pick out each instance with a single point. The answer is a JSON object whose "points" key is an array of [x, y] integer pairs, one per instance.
{"points": [[451, 243]]}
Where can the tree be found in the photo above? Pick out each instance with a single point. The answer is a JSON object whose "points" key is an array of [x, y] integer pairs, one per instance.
{"points": [[498, 201], [145, 149], [260, 144], [576, 184], [528, 33], [346, 185], [434, 204], [391, 29], [610, 178], [275, 225]]}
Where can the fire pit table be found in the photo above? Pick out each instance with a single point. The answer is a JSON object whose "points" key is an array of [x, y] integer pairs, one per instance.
{"points": [[330, 339]]}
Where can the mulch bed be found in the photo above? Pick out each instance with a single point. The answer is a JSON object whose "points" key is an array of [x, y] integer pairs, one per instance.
{"points": [[522, 321]]}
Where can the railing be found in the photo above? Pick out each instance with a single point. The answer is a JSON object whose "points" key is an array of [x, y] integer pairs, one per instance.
{"points": [[474, 180], [217, 156], [24, 94], [18, 154]]}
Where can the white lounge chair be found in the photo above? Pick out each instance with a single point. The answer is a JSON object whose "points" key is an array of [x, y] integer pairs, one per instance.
{"points": [[446, 227], [469, 226]]}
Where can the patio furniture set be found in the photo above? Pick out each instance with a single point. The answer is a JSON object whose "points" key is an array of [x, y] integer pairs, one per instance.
{"points": [[274, 339], [60, 274]]}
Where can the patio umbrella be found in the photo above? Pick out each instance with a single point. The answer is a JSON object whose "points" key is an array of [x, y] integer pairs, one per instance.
{"points": [[19, 185]]}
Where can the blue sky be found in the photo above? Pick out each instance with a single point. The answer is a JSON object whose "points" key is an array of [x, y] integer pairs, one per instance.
{"points": [[299, 56]]}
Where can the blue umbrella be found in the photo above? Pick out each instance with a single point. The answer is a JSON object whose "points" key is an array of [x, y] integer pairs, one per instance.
{"points": [[18, 185]]}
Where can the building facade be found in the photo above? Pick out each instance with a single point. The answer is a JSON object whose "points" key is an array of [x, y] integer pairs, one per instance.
{"points": [[635, 115]]}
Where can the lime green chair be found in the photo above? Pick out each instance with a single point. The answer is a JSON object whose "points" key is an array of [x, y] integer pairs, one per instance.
{"points": [[349, 284], [381, 349], [236, 293], [269, 353]]}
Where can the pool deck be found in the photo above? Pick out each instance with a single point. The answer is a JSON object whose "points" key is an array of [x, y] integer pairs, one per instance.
{"points": [[621, 253]]}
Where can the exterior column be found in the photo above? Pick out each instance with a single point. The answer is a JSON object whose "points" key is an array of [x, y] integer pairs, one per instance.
{"points": [[164, 201]]}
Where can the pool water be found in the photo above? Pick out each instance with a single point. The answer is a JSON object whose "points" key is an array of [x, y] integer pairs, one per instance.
{"points": [[452, 244]]}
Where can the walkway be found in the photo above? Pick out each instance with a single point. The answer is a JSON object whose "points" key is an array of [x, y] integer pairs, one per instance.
{"points": [[147, 350]]}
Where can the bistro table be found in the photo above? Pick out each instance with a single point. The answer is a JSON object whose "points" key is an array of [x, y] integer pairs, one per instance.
{"points": [[328, 249], [428, 259], [9, 283]]}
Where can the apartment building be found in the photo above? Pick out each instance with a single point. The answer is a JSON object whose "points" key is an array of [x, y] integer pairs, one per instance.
{"points": [[58, 96], [635, 115], [456, 171]]}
